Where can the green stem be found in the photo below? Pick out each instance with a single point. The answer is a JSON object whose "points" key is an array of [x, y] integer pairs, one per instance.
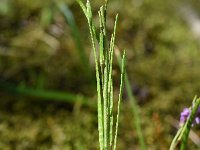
{"points": [[45, 94], [134, 106]]}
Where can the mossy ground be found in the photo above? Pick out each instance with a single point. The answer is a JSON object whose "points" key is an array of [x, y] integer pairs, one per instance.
{"points": [[38, 50]]}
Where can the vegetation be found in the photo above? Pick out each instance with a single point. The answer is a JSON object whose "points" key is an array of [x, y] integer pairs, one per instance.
{"points": [[45, 55]]}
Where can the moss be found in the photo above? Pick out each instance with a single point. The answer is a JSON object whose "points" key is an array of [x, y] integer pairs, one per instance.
{"points": [[163, 59]]}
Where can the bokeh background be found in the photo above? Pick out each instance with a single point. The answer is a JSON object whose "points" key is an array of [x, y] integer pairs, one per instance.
{"points": [[47, 76]]}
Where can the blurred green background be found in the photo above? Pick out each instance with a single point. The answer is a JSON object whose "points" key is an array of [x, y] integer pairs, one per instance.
{"points": [[47, 76]]}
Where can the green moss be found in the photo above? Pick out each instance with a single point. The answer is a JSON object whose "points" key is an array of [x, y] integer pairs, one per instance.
{"points": [[163, 58]]}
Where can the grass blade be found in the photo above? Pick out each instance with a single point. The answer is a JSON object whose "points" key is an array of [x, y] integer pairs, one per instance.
{"points": [[120, 98], [104, 76], [135, 109], [76, 35], [45, 94]]}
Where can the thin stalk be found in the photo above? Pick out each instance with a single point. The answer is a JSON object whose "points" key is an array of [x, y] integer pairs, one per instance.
{"points": [[111, 116], [135, 108], [88, 13], [120, 98], [105, 107], [110, 86]]}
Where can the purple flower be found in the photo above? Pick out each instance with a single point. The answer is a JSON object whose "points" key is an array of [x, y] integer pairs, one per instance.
{"points": [[197, 120], [185, 114]]}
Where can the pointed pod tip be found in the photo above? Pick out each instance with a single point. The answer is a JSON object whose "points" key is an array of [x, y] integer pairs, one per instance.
{"points": [[117, 15], [124, 54]]}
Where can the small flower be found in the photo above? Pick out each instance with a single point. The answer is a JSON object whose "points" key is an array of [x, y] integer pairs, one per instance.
{"points": [[197, 120], [185, 114]]}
